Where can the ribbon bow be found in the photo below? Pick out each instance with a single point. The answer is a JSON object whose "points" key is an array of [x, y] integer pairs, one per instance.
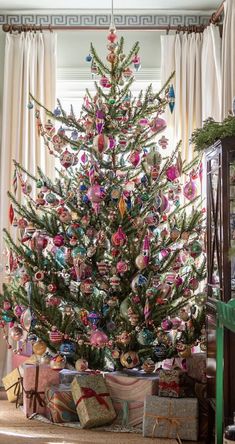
{"points": [[169, 385], [35, 398], [90, 393]]}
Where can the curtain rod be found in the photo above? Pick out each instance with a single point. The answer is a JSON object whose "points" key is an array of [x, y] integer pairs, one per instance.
{"points": [[217, 14], [35, 28]]}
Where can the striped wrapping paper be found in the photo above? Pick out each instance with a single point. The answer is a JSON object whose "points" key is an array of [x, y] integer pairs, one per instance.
{"points": [[60, 404], [128, 394]]}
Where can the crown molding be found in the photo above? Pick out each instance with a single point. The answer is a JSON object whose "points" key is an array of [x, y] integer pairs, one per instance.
{"points": [[103, 20]]}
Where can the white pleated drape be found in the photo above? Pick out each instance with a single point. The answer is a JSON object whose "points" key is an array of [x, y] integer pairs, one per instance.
{"points": [[30, 67], [195, 58], [228, 57]]}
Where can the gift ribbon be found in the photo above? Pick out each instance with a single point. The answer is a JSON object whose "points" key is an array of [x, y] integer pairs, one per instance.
{"points": [[90, 393], [169, 385], [17, 389], [34, 395]]}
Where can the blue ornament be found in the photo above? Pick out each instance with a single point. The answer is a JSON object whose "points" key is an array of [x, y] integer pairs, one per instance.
{"points": [[171, 95], [160, 352], [88, 58], [145, 337], [74, 135], [144, 179], [30, 105], [83, 187], [50, 198], [68, 349], [142, 280], [57, 111], [93, 318], [77, 251], [85, 199], [60, 257], [6, 318], [105, 309], [128, 203]]}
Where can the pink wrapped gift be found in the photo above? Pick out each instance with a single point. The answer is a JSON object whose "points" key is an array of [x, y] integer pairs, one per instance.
{"points": [[128, 394], [173, 363], [36, 378], [196, 366]]}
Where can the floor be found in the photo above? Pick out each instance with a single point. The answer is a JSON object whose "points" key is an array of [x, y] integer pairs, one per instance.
{"points": [[16, 429]]}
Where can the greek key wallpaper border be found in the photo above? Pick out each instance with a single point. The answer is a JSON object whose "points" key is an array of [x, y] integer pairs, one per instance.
{"points": [[103, 20]]}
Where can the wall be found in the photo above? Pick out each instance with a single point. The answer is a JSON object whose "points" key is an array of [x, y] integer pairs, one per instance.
{"points": [[73, 46]]}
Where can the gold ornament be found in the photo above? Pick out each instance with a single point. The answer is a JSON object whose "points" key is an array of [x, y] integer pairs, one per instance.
{"points": [[58, 362], [122, 206], [81, 365], [124, 338], [148, 366], [129, 359], [186, 353], [39, 348]]}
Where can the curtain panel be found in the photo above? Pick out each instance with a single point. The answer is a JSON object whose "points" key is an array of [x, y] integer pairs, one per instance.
{"points": [[196, 60], [29, 67]]}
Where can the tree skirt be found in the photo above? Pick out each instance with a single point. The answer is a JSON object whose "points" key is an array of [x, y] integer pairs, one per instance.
{"points": [[111, 428]]}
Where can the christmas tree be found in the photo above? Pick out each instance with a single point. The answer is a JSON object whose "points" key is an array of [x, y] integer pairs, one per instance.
{"points": [[110, 257]]}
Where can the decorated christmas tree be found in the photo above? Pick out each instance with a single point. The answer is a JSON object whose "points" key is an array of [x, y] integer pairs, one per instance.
{"points": [[109, 257]]}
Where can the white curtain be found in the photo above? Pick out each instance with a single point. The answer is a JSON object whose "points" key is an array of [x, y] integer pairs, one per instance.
{"points": [[228, 57], [211, 73], [195, 58], [30, 67]]}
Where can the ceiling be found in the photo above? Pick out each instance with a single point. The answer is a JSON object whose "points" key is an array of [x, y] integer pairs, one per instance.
{"points": [[105, 5]]}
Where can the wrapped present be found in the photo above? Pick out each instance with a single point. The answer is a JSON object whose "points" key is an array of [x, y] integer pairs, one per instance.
{"points": [[127, 393], [172, 383], [36, 378], [66, 376], [196, 366], [25, 348], [13, 386], [171, 418], [60, 404], [92, 400]]}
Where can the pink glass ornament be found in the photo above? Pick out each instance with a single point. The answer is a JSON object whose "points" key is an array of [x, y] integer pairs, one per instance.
{"points": [[178, 281], [172, 173], [100, 143], [163, 142], [6, 305], [121, 267], [158, 124], [104, 81], [135, 158], [98, 338], [58, 240], [164, 202], [112, 142], [119, 238], [95, 193], [166, 324], [190, 190], [66, 159], [143, 122]]}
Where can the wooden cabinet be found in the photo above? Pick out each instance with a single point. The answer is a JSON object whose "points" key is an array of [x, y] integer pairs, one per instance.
{"points": [[220, 178]]}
